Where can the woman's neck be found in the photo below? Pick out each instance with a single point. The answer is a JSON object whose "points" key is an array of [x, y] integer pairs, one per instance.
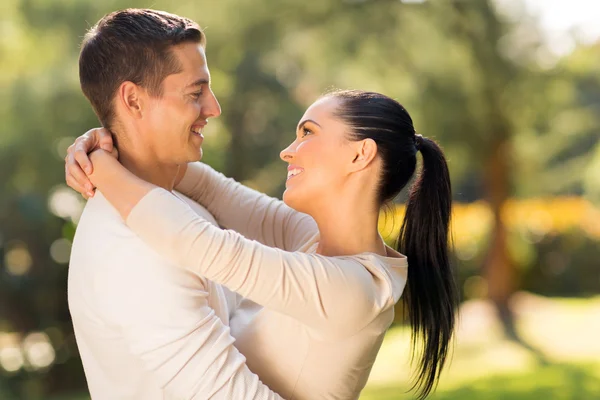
{"points": [[347, 228]]}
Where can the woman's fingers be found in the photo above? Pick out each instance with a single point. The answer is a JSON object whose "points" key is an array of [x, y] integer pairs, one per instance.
{"points": [[105, 141], [77, 162], [78, 181]]}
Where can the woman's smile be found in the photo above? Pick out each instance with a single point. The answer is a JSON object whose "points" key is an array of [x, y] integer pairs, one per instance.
{"points": [[294, 170]]}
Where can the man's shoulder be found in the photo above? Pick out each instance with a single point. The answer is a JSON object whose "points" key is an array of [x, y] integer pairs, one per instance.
{"points": [[100, 232], [198, 208], [115, 272], [103, 243], [99, 213], [103, 238], [98, 210]]}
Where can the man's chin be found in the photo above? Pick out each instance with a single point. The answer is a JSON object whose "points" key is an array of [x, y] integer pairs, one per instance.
{"points": [[196, 156]]}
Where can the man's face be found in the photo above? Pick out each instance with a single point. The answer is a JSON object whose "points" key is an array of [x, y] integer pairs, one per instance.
{"points": [[172, 124]]}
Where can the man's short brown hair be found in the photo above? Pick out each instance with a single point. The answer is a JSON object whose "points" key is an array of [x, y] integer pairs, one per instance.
{"points": [[131, 45]]}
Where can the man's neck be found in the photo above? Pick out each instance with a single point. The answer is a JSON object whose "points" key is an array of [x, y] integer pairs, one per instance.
{"points": [[149, 168]]}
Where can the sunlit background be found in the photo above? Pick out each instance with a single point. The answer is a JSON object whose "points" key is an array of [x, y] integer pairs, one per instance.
{"points": [[510, 88]]}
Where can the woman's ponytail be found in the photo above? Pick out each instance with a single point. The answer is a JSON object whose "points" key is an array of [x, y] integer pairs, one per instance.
{"points": [[431, 295]]}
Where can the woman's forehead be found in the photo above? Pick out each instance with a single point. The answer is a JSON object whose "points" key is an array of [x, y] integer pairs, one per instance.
{"points": [[322, 109]]}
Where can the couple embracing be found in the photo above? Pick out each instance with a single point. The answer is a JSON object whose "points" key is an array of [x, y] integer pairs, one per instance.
{"points": [[185, 284]]}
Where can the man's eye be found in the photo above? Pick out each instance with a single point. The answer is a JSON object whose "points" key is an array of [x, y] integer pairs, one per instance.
{"points": [[196, 95], [306, 131]]}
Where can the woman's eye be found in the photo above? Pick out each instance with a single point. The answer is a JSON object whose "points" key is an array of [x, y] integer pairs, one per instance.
{"points": [[306, 131]]}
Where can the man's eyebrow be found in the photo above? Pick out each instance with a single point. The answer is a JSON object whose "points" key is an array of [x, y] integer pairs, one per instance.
{"points": [[301, 124], [198, 82]]}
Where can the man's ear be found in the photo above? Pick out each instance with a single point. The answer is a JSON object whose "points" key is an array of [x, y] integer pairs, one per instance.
{"points": [[131, 98], [365, 152]]}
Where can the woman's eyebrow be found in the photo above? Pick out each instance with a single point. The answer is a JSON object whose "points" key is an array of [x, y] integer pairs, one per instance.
{"points": [[301, 124]]}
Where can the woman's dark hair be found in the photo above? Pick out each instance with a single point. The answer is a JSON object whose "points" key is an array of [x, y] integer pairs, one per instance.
{"points": [[431, 295]]}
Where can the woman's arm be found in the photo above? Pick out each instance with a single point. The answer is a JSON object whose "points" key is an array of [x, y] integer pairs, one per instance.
{"points": [[249, 212], [117, 183], [335, 295], [235, 206]]}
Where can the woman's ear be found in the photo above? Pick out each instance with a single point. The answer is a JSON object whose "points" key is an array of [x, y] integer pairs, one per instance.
{"points": [[364, 154]]}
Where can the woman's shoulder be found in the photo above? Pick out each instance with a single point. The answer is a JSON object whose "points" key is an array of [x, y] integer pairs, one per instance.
{"points": [[389, 272]]}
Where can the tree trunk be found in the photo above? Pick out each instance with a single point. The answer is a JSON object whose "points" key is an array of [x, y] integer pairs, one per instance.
{"points": [[496, 73], [499, 267]]}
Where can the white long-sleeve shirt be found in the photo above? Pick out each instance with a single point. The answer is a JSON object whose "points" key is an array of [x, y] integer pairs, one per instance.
{"points": [[146, 329], [310, 326]]}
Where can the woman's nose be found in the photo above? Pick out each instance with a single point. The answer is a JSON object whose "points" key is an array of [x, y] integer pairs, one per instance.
{"points": [[288, 153]]}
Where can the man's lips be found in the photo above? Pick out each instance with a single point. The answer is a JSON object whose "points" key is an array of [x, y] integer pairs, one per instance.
{"points": [[197, 130]]}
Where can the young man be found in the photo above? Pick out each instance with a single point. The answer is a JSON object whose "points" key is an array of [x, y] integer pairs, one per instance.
{"points": [[147, 330]]}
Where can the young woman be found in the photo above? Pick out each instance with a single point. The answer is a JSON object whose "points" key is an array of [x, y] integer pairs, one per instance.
{"points": [[319, 284]]}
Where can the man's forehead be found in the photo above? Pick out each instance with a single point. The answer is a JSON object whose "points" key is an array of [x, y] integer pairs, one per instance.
{"points": [[192, 53], [199, 82], [191, 58], [193, 69], [186, 80]]}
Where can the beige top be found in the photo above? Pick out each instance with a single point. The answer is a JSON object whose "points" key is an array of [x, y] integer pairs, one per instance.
{"points": [[318, 322], [146, 329]]}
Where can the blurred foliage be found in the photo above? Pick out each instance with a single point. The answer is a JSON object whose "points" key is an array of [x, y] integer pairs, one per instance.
{"points": [[476, 78], [487, 366], [554, 243]]}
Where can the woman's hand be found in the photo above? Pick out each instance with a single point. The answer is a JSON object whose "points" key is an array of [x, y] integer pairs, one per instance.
{"points": [[78, 165]]}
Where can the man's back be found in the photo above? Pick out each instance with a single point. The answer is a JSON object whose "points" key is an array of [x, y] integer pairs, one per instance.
{"points": [[146, 328]]}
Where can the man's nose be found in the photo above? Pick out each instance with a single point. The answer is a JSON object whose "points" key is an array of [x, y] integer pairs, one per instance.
{"points": [[212, 108]]}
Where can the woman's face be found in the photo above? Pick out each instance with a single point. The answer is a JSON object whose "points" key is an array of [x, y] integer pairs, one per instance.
{"points": [[318, 158]]}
